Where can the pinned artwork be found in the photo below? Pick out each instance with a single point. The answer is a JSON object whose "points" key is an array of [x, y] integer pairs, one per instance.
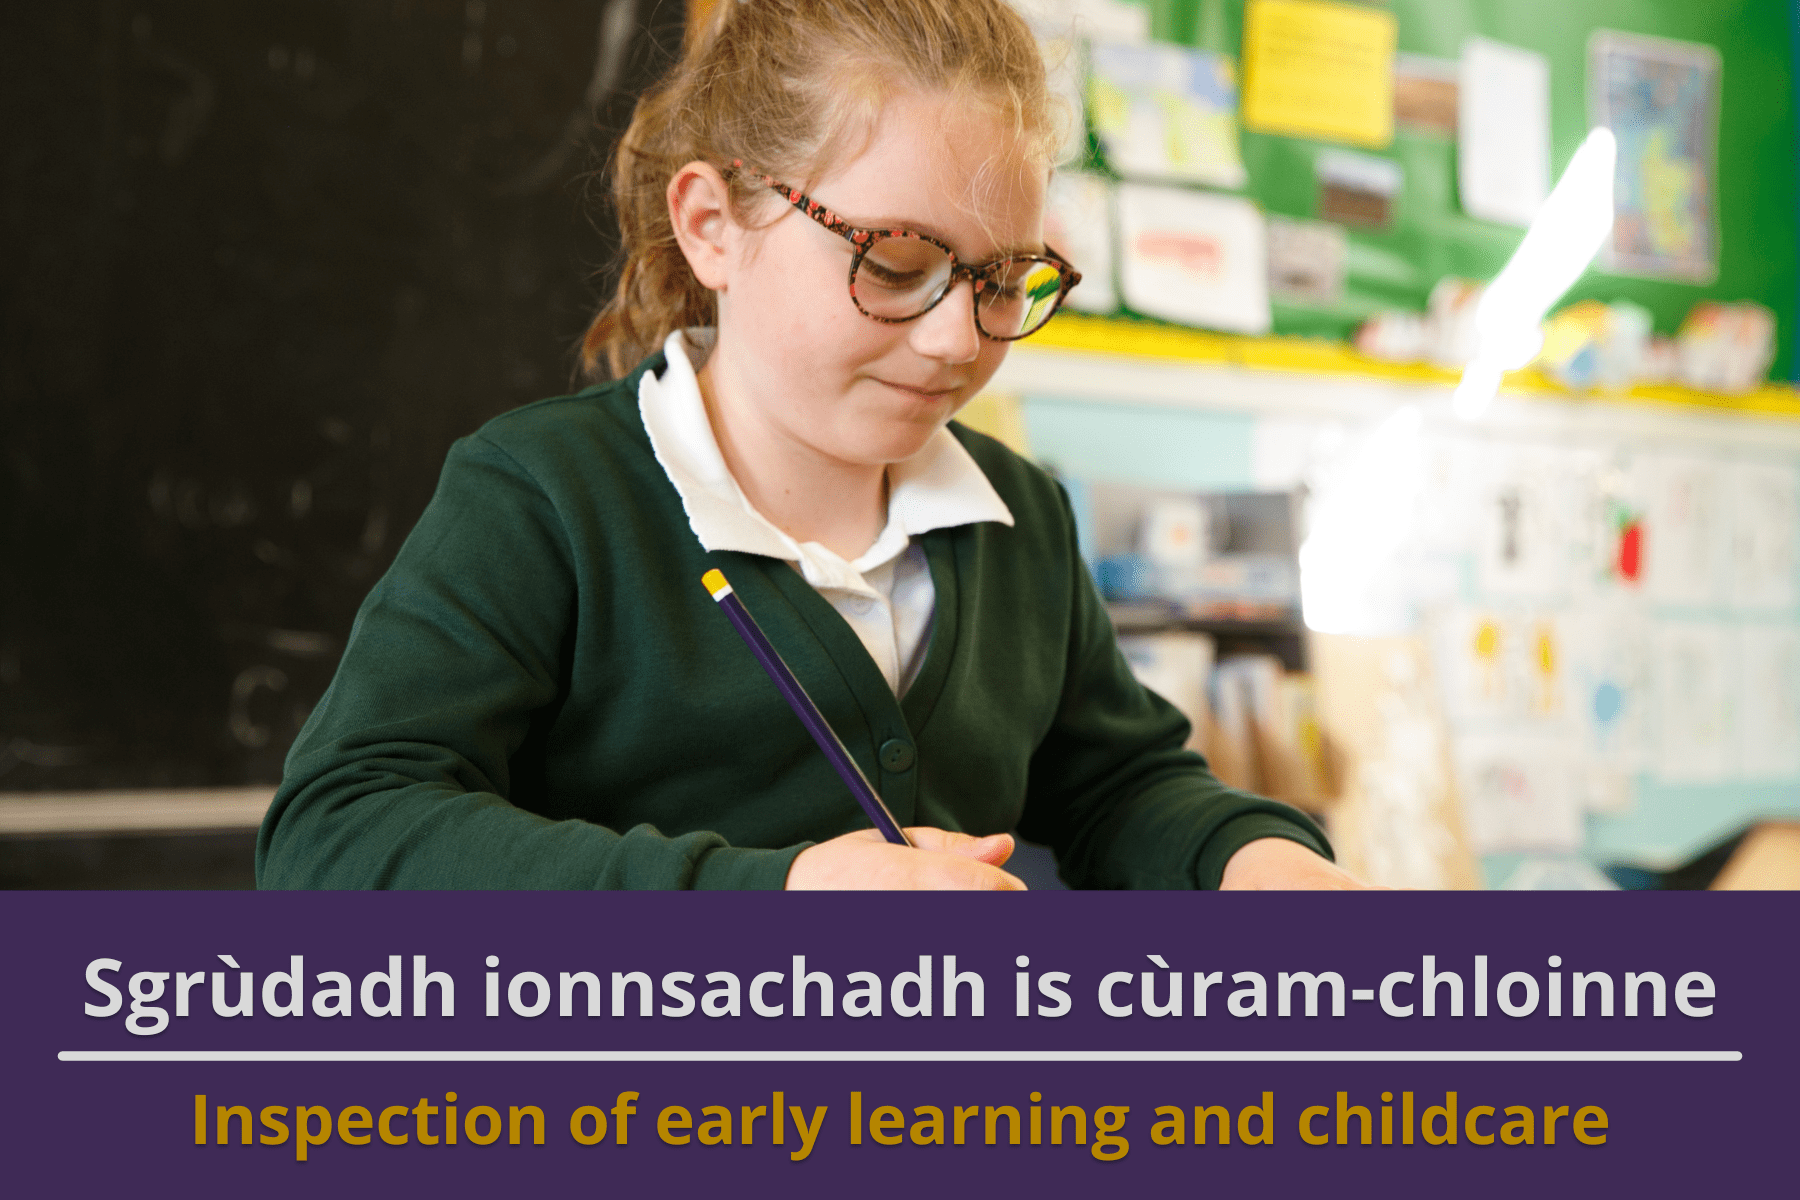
{"points": [[1425, 94], [1686, 545], [1623, 542], [1527, 523], [1166, 113], [1306, 262], [1768, 724], [1505, 669], [1661, 100], [1193, 257], [1503, 138], [1696, 740], [1357, 189], [1765, 530], [1319, 70], [1610, 684], [1520, 792], [1078, 222], [1060, 45]]}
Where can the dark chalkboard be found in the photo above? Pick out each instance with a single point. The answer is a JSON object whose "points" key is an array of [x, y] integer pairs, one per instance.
{"points": [[262, 264]]}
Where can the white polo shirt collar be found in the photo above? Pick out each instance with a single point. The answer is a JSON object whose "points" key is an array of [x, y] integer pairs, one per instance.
{"points": [[940, 487]]}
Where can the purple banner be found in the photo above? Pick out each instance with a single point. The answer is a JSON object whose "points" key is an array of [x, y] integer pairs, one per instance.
{"points": [[278, 1044]]}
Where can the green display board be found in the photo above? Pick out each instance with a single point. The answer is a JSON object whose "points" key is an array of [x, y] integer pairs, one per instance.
{"points": [[1429, 235]]}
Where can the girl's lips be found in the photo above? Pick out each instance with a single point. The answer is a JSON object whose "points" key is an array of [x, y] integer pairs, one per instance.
{"points": [[923, 393]]}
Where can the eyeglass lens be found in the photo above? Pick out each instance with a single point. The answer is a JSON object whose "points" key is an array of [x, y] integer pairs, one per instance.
{"points": [[900, 278]]}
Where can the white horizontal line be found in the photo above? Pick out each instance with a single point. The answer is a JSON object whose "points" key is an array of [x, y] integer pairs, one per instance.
{"points": [[166, 811], [734, 1056]]}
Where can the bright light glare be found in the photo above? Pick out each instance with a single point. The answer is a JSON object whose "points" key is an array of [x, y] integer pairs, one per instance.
{"points": [[1361, 519], [1563, 239]]}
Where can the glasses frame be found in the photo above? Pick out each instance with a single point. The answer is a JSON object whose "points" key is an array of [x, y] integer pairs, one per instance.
{"points": [[864, 240]]}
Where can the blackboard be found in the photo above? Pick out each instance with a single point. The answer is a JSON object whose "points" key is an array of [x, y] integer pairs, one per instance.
{"points": [[263, 264]]}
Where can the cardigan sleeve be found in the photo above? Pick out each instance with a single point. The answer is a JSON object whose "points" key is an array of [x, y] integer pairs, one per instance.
{"points": [[1112, 790], [400, 777]]}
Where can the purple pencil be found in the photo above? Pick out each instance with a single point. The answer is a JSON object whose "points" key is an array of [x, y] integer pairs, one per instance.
{"points": [[804, 708]]}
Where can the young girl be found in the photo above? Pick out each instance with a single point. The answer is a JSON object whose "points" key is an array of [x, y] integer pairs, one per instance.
{"points": [[832, 213]]}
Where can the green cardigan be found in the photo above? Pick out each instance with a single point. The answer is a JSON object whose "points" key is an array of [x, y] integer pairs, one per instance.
{"points": [[540, 694]]}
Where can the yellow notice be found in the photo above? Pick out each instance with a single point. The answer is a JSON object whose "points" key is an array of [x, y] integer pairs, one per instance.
{"points": [[1319, 70]]}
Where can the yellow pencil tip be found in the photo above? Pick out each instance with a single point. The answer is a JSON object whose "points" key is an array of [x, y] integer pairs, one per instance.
{"points": [[714, 581]]}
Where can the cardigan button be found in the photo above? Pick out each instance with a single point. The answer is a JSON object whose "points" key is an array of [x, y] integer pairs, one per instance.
{"points": [[897, 756]]}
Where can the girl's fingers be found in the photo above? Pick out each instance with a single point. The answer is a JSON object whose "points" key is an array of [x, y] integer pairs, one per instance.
{"points": [[993, 849]]}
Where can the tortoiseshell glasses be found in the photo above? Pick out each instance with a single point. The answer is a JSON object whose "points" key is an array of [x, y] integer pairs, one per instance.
{"points": [[897, 275]]}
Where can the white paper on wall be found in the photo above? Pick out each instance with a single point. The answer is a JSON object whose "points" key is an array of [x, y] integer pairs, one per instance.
{"points": [[1078, 223], [1612, 541], [1687, 530], [1696, 739], [1520, 791], [1503, 131], [1194, 257], [1166, 112], [1765, 536], [1527, 516], [1505, 668], [1768, 709], [1611, 691]]}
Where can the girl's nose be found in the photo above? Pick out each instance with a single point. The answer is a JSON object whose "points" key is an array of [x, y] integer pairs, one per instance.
{"points": [[948, 333]]}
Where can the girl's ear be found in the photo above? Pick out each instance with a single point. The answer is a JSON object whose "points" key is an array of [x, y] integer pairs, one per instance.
{"points": [[700, 211]]}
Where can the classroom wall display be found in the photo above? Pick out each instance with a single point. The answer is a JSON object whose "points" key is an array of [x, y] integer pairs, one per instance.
{"points": [[1503, 131], [1200, 258], [1064, 65], [1306, 261], [1319, 70], [1438, 229], [1358, 189], [1166, 112], [1607, 601], [1079, 223], [1603, 636], [1426, 96], [1661, 100], [262, 271]]}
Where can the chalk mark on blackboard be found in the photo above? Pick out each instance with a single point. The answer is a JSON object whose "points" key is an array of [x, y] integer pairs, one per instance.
{"points": [[20, 752], [246, 731], [618, 24], [374, 534], [301, 643], [188, 113]]}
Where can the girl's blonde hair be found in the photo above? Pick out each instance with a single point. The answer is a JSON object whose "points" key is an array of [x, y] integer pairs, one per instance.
{"points": [[790, 86]]}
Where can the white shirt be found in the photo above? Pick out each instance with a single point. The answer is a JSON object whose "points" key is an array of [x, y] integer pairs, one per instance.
{"points": [[886, 594]]}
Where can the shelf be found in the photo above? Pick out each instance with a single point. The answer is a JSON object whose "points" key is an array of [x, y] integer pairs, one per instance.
{"points": [[1140, 339], [1155, 617]]}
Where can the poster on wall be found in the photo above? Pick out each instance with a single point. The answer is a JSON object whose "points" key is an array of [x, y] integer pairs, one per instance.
{"points": [[1768, 724], [1166, 112], [1696, 719], [1686, 551], [1503, 131], [1078, 223], [1661, 100], [1765, 536], [1318, 70], [1194, 257]]}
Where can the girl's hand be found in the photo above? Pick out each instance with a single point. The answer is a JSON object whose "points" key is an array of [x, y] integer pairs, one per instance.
{"points": [[938, 860], [1278, 864]]}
